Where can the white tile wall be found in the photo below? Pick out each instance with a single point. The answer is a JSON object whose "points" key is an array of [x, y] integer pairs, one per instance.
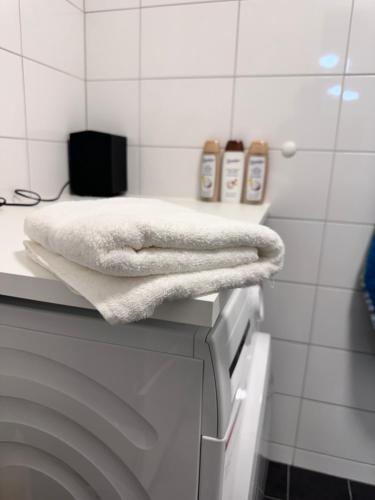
{"points": [[337, 431], [12, 153], [170, 172], [288, 366], [303, 241], [362, 37], [344, 251], [41, 91], [354, 178], [265, 46], [298, 300], [357, 127], [12, 117], [284, 419], [45, 38], [112, 44], [55, 103], [48, 166], [341, 377], [341, 320], [185, 112], [113, 108], [10, 35], [100, 5], [193, 52], [291, 179], [278, 109]]}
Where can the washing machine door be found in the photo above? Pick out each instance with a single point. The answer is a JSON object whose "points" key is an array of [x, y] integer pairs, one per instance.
{"points": [[244, 438]]}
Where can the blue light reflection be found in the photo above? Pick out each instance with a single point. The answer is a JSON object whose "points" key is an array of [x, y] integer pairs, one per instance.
{"points": [[329, 61]]}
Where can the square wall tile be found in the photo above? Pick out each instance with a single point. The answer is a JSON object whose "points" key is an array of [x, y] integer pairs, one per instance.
{"points": [[170, 172], [269, 30], [342, 320], [13, 167], [299, 109], [357, 125], [12, 116], [284, 419], [175, 41], [335, 466], [134, 170], [113, 108], [112, 44], [344, 251], [52, 32], [95, 5], [341, 377], [185, 112], [48, 167], [338, 431], [10, 37], [302, 248], [297, 300], [362, 37], [55, 103], [352, 193], [288, 366], [290, 181]]}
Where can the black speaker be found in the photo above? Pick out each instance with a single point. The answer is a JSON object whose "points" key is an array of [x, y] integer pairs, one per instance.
{"points": [[97, 163]]}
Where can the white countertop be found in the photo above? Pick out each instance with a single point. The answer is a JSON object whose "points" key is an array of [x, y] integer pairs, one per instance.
{"points": [[20, 277]]}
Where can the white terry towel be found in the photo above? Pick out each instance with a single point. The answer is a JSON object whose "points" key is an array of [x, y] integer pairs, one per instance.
{"points": [[127, 255]]}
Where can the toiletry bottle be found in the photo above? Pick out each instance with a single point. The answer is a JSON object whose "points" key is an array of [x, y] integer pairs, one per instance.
{"points": [[210, 172], [232, 172], [256, 170]]}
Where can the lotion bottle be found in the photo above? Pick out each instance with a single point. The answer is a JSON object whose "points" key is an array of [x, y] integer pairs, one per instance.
{"points": [[256, 170], [232, 172], [210, 171]]}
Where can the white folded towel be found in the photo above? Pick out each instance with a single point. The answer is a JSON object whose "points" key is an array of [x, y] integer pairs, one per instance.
{"points": [[127, 255]]}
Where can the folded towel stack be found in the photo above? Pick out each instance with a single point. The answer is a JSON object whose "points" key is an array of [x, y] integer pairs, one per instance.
{"points": [[127, 255]]}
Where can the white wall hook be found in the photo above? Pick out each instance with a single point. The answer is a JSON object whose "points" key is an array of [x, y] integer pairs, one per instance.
{"points": [[289, 149]]}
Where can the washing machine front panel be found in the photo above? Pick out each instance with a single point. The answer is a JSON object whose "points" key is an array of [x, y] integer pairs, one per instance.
{"points": [[92, 421]]}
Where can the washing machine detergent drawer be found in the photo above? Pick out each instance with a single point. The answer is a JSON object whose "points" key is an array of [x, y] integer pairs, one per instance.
{"points": [[230, 461]]}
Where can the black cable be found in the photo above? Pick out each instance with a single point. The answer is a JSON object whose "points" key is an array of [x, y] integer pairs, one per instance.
{"points": [[30, 195]]}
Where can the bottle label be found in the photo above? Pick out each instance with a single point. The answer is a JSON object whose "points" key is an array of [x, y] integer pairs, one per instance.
{"points": [[256, 173], [208, 174], [231, 187]]}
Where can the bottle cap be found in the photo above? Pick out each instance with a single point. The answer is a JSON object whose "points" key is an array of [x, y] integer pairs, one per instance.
{"points": [[211, 146], [234, 146], [259, 147]]}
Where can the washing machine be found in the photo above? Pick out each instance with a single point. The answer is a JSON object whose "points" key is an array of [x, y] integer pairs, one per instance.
{"points": [[148, 411]]}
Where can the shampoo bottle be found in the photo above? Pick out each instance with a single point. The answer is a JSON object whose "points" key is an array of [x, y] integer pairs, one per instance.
{"points": [[256, 170], [232, 172], [210, 172]]}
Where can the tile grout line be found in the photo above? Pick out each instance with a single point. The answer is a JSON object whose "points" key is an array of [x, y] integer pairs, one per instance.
{"points": [[24, 100], [234, 80], [320, 258], [41, 63], [328, 403], [299, 448], [140, 130], [349, 489], [323, 346], [85, 65]]}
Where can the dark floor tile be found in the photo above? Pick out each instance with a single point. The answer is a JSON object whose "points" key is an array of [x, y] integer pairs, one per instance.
{"points": [[276, 482], [361, 491], [310, 485]]}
